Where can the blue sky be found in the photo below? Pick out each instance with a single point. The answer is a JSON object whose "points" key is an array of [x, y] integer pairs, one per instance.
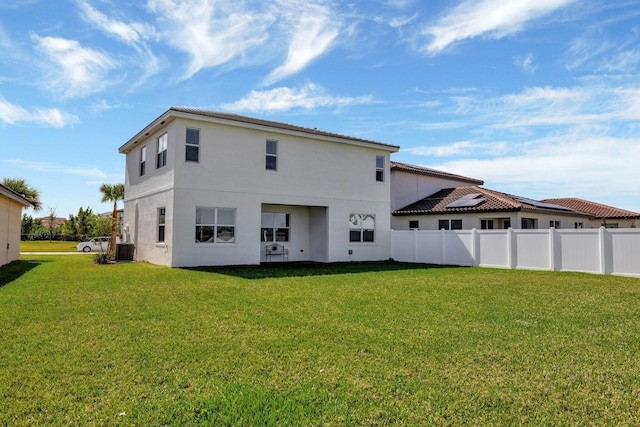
{"points": [[537, 98]]}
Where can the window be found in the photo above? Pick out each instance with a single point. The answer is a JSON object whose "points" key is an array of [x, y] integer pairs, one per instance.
{"points": [[486, 224], [529, 223], [272, 155], [414, 224], [162, 212], [578, 225], [215, 225], [554, 224], [161, 159], [275, 227], [379, 168], [506, 224], [143, 160], [362, 228], [192, 145], [450, 224]]}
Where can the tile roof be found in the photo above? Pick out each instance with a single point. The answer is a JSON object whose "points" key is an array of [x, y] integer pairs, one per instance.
{"points": [[272, 124], [419, 170], [597, 210], [492, 201]]}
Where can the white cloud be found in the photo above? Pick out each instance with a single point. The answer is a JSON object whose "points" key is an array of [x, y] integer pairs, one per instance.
{"points": [[315, 30], [133, 34], [563, 166], [460, 148], [74, 71], [283, 98], [90, 172], [526, 63], [51, 117], [488, 18], [210, 33]]}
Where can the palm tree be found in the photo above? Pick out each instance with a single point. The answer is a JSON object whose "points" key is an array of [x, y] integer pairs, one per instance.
{"points": [[112, 193], [20, 186]]}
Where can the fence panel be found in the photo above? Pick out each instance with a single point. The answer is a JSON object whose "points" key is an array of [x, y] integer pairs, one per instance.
{"points": [[533, 249], [579, 250], [493, 248], [625, 252], [605, 251]]}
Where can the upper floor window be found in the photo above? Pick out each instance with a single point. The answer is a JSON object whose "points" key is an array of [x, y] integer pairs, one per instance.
{"points": [[554, 224], [275, 227], [414, 224], [529, 223], [161, 159], [379, 168], [272, 155], [215, 225], [578, 225], [162, 214], [362, 228], [192, 150], [143, 160]]}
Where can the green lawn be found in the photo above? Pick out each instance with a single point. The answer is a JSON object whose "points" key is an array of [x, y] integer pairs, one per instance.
{"points": [[355, 344], [47, 246]]}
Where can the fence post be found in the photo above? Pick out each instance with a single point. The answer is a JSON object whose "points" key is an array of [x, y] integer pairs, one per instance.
{"points": [[443, 247], [415, 245], [475, 247], [511, 248], [603, 253], [552, 249]]}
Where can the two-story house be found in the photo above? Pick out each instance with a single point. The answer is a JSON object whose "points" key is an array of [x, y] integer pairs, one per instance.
{"points": [[209, 188]]}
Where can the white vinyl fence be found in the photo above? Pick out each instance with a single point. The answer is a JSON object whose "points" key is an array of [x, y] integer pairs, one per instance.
{"points": [[598, 250]]}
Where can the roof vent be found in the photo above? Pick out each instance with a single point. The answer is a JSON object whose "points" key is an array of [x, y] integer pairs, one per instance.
{"points": [[467, 201]]}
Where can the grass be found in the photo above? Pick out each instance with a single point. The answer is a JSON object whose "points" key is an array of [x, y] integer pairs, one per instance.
{"points": [[352, 344], [47, 246]]}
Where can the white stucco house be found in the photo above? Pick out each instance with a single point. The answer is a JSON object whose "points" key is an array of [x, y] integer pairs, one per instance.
{"points": [[204, 188], [11, 204]]}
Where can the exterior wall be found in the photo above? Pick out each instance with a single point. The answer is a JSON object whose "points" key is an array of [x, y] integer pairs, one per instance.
{"points": [[407, 188], [470, 221], [318, 182], [10, 222], [621, 223]]}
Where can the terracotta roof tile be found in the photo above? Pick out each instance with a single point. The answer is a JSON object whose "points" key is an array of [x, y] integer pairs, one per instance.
{"points": [[597, 210], [493, 201], [419, 170]]}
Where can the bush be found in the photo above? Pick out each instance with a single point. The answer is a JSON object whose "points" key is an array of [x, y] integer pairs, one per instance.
{"points": [[104, 257]]}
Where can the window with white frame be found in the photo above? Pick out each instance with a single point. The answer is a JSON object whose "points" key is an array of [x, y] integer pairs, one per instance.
{"points": [[215, 225], [143, 160], [161, 156], [450, 224], [578, 225], [414, 224], [275, 227], [362, 228], [554, 224], [379, 168], [529, 223], [272, 155], [192, 145], [162, 214]]}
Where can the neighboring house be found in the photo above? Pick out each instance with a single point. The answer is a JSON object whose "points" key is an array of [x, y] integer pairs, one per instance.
{"points": [[11, 204], [410, 183], [475, 207], [208, 188], [600, 215]]}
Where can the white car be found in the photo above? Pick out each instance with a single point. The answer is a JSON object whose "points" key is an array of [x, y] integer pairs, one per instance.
{"points": [[96, 244]]}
